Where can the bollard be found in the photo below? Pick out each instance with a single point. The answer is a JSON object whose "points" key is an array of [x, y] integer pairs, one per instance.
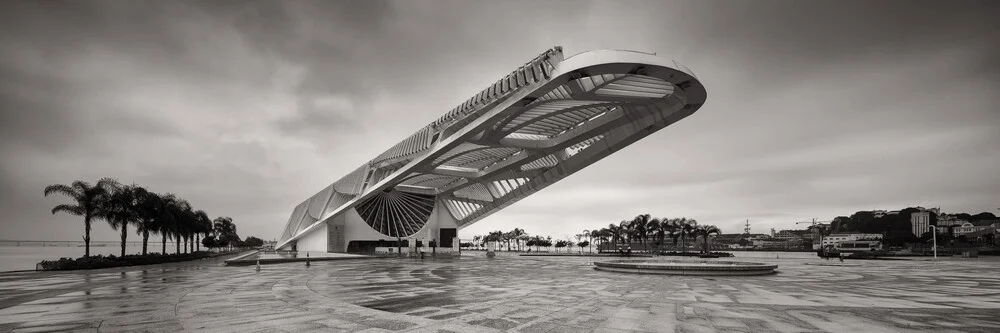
{"points": [[258, 265], [307, 259]]}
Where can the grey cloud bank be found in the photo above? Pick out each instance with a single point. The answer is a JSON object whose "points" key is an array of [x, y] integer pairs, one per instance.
{"points": [[245, 108]]}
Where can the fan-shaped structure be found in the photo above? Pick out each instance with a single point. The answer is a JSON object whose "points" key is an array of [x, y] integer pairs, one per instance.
{"points": [[396, 213], [544, 121]]}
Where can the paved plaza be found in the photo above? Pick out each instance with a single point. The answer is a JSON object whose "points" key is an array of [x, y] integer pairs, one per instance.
{"points": [[506, 294]]}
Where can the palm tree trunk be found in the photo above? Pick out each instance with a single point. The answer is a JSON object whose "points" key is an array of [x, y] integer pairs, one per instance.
{"points": [[86, 236], [178, 247], [163, 239], [197, 241], [145, 240], [124, 237]]}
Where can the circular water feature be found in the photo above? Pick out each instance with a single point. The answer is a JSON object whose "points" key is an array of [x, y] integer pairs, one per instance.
{"points": [[685, 267]]}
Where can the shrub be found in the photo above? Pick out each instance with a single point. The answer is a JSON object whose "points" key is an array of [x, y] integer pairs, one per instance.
{"points": [[101, 261]]}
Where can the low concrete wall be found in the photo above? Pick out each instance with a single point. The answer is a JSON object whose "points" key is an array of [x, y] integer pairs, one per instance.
{"points": [[700, 267]]}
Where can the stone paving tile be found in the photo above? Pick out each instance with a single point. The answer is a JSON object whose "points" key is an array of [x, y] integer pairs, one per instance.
{"points": [[512, 294]]}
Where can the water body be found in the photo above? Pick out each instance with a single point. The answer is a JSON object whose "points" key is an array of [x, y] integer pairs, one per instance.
{"points": [[25, 256]]}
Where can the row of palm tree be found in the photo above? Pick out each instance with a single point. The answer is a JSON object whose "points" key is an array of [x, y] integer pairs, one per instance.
{"points": [[644, 228], [516, 239], [518, 236], [149, 213]]}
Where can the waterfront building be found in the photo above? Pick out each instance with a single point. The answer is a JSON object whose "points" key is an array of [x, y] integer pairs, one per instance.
{"points": [[795, 235], [858, 246], [834, 239], [920, 222], [969, 227], [541, 123], [774, 243]]}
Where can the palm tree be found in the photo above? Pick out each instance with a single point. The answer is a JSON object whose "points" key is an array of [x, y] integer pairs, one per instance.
{"points": [[705, 231], [179, 209], [627, 229], [225, 230], [190, 228], [147, 215], [204, 227], [167, 216], [614, 231], [686, 228], [88, 202], [522, 241], [476, 239], [122, 209], [640, 225], [652, 227], [594, 234], [518, 234], [669, 227], [189, 224]]}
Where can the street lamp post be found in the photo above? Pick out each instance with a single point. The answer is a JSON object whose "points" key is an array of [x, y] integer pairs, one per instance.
{"points": [[934, 235]]}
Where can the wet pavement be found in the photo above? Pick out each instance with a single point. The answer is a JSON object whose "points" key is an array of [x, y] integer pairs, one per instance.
{"points": [[514, 294]]}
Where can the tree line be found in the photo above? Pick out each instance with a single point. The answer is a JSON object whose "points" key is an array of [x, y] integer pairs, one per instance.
{"points": [[644, 229], [149, 213], [897, 229]]}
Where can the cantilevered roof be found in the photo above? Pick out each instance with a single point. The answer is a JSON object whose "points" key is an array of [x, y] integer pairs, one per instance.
{"points": [[540, 123]]}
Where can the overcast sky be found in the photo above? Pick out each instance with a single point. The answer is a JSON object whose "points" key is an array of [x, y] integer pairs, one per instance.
{"points": [[815, 109]]}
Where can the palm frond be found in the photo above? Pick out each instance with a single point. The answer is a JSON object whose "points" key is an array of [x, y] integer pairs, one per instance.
{"points": [[107, 183], [80, 185], [68, 209], [62, 189]]}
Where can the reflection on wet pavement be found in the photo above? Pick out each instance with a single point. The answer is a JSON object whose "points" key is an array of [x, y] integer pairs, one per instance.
{"points": [[522, 294]]}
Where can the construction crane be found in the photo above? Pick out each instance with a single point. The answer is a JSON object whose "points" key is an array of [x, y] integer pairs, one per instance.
{"points": [[817, 233], [815, 223]]}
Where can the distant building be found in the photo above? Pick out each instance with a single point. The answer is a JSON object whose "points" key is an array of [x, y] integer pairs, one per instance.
{"points": [[859, 246], [793, 234], [921, 222], [945, 220], [835, 239], [773, 243], [969, 227]]}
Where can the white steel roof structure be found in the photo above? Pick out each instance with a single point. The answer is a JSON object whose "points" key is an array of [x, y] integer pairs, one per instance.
{"points": [[537, 125]]}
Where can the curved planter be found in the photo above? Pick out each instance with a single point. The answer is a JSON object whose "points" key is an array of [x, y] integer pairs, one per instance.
{"points": [[686, 267]]}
